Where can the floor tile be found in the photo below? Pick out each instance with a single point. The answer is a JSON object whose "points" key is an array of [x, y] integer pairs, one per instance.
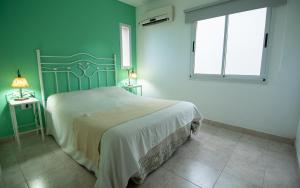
{"points": [[32, 168], [217, 143], [13, 176], [228, 135], [248, 168], [7, 161], [281, 170], [228, 181], [215, 157], [280, 161], [192, 170], [248, 152], [55, 178], [2, 183], [278, 178], [163, 178], [8, 147], [19, 185], [207, 130], [253, 141], [212, 155], [281, 147]]}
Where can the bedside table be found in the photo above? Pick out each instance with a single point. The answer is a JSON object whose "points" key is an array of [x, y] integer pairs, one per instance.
{"points": [[37, 116], [131, 87]]}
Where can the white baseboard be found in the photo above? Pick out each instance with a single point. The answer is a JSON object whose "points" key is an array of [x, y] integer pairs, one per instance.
{"points": [[251, 132]]}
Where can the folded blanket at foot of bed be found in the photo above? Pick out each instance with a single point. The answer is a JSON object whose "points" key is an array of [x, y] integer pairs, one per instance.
{"points": [[89, 128]]}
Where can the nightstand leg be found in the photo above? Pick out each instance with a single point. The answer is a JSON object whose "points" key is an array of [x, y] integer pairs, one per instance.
{"points": [[40, 120], [141, 91], [35, 117], [15, 124]]}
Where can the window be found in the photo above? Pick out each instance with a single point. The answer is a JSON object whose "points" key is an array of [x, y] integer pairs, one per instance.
{"points": [[125, 33], [231, 46], [209, 46]]}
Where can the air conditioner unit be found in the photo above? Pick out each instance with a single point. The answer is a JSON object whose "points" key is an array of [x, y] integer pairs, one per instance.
{"points": [[164, 14]]}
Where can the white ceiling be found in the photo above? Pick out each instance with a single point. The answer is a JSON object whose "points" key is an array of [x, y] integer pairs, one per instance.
{"points": [[135, 3]]}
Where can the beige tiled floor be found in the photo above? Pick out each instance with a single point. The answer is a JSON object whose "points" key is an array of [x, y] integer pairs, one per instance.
{"points": [[214, 158]]}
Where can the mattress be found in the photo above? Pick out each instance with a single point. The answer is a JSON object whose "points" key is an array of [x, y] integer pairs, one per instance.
{"points": [[122, 146]]}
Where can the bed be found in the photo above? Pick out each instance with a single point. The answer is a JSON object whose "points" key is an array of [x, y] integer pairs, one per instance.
{"points": [[114, 133]]}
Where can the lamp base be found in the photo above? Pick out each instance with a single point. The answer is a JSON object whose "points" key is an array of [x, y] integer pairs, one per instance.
{"points": [[21, 99]]}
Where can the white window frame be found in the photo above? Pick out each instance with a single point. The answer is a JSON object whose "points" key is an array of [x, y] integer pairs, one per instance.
{"points": [[121, 46], [262, 78]]}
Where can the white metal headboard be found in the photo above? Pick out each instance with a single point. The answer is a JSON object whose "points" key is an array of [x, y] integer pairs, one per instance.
{"points": [[78, 66]]}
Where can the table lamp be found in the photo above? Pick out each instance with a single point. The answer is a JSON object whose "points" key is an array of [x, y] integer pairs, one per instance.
{"points": [[131, 75], [20, 82]]}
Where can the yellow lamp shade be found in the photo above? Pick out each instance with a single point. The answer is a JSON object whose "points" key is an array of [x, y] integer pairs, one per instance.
{"points": [[133, 75], [20, 82]]}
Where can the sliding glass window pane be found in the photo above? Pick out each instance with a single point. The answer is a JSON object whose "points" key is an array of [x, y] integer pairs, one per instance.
{"points": [[209, 46], [245, 42]]}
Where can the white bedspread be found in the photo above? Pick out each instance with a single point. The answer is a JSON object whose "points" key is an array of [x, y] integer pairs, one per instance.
{"points": [[121, 146]]}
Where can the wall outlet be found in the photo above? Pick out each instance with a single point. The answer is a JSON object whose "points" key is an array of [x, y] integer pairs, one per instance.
{"points": [[25, 106]]}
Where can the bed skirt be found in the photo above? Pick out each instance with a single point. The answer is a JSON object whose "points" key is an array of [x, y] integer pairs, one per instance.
{"points": [[161, 153]]}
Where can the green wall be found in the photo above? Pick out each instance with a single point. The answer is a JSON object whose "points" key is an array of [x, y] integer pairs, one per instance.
{"points": [[59, 27]]}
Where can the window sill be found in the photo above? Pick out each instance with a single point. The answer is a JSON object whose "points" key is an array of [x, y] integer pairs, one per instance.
{"points": [[230, 78]]}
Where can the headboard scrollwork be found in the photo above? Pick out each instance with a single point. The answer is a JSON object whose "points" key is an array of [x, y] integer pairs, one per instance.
{"points": [[76, 72]]}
